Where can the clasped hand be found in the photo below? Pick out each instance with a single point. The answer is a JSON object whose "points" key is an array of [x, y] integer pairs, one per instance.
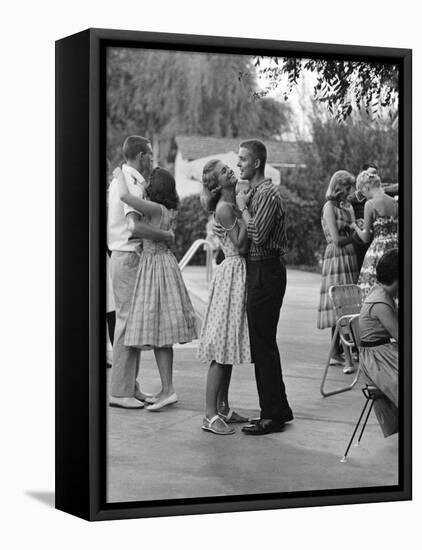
{"points": [[243, 198]]}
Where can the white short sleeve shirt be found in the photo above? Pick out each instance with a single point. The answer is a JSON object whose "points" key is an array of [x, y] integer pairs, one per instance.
{"points": [[118, 234]]}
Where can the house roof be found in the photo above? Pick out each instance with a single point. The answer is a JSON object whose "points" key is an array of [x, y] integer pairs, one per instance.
{"points": [[278, 152]]}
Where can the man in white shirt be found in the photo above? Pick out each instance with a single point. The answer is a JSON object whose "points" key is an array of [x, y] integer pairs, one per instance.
{"points": [[125, 231]]}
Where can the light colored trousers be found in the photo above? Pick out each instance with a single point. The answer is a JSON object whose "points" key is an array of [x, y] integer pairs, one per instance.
{"points": [[124, 267]]}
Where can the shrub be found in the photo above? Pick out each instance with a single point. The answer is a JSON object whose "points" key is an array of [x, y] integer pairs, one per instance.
{"points": [[303, 228], [304, 234], [191, 225]]}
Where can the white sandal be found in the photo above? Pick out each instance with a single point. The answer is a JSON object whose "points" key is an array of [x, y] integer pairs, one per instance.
{"points": [[209, 426]]}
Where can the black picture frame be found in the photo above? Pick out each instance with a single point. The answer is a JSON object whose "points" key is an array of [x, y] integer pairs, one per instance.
{"points": [[80, 275]]}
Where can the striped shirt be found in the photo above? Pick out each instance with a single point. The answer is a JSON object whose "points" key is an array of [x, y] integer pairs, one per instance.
{"points": [[266, 228]]}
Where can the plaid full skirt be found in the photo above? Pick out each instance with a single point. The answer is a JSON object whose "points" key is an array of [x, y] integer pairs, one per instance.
{"points": [[340, 267], [161, 313]]}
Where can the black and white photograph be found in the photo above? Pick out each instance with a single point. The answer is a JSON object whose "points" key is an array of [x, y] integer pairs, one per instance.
{"points": [[210, 281], [253, 271]]}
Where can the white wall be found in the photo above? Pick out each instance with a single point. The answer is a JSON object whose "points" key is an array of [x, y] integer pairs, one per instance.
{"points": [[27, 143], [184, 186]]}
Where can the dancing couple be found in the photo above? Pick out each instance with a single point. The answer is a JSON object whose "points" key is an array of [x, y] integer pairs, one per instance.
{"points": [[153, 309], [246, 295]]}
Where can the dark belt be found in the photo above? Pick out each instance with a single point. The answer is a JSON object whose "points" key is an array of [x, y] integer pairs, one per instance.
{"points": [[379, 342], [263, 258]]}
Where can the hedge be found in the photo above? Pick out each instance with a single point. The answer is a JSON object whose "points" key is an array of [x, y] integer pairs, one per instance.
{"points": [[305, 240]]}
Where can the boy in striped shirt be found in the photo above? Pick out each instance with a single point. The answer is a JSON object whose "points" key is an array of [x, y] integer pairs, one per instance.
{"points": [[263, 212]]}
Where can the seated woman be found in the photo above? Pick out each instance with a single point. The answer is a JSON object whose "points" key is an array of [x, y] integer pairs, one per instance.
{"points": [[378, 325]]}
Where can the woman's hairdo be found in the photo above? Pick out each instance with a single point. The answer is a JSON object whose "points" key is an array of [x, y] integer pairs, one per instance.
{"points": [[210, 190], [388, 267], [338, 182], [369, 165], [162, 188], [368, 178]]}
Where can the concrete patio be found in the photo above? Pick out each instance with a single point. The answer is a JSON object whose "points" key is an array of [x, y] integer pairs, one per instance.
{"points": [[166, 455]]}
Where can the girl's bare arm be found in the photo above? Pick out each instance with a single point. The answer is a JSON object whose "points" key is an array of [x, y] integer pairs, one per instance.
{"points": [[387, 318], [145, 207], [235, 228], [330, 219], [365, 233]]}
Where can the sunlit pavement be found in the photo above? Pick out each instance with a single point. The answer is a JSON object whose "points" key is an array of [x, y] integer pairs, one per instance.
{"points": [[165, 454]]}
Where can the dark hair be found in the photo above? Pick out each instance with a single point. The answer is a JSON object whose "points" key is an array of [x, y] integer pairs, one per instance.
{"points": [[369, 165], [210, 193], [388, 267], [162, 188], [258, 150], [133, 145]]}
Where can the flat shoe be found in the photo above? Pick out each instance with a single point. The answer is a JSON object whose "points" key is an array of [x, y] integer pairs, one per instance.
{"points": [[286, 418], [151, 399], [216, 425], [125, 402], [260, 428], [160, 404], [232, 417], [145, 397], [348, 369]]}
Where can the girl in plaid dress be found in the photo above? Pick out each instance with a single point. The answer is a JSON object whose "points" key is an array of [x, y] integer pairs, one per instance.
{"points": [[161, 313], [340, 264]]}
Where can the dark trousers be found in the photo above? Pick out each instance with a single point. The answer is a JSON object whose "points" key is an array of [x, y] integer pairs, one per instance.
{"points": [[360, 251], [111, 324], [266, 288]]}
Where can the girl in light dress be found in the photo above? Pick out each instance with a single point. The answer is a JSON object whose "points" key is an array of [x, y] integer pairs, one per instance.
{"points": [[381, 221], [224, 338], [161, 313]]}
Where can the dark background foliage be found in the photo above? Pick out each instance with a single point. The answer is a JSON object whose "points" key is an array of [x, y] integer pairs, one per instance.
{"points": [[162, 94], [335, 146], [191, 223], [159, 94]]}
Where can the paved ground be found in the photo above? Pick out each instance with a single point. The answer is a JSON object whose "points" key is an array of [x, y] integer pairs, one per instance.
{"points": [[166, 454]]}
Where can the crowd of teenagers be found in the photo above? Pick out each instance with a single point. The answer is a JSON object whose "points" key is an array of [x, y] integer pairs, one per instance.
{"points": [[153, 309]]}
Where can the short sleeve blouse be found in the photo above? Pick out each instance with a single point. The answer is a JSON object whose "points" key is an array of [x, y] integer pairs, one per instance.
{"points": [[371, 329]]}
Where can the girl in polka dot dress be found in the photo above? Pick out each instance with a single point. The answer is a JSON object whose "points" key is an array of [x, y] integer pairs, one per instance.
{"points": [[224, 338]]}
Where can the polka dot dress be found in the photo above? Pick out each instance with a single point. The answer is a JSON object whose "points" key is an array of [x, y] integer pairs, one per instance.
{"points": [[225, 336]]}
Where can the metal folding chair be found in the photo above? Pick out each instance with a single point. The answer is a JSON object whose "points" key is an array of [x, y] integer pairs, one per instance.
{"points": [[370, 391], [347, 303]]}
